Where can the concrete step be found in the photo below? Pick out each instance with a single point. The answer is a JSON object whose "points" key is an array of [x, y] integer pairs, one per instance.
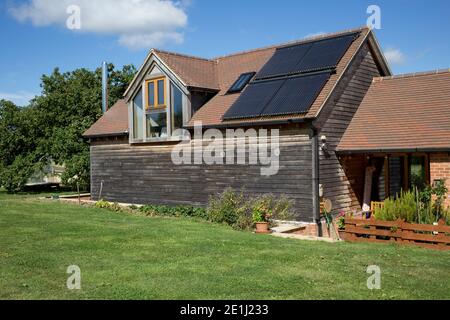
{"points": [[288, 228]]}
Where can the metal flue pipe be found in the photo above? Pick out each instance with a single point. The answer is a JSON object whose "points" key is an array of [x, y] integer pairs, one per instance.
{"points": [[104, 87]]}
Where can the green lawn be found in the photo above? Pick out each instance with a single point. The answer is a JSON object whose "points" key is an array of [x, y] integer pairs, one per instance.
{"points": [[131, 257]]}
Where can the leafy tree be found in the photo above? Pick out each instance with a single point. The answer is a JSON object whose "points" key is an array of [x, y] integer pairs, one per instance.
{"points": [[51, 127]]}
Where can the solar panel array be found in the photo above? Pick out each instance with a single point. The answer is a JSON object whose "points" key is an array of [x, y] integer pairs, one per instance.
{"points": [[253, 99], [278, 96], [296, 95], [291, 80], [284, 61], [307, 57]]}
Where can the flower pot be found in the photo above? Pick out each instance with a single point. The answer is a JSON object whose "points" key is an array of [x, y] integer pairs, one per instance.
{"points": [[262, 227], [341, 233]]}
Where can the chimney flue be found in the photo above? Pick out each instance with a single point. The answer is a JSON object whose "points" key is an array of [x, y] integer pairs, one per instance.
{"points": [[104, 86]]}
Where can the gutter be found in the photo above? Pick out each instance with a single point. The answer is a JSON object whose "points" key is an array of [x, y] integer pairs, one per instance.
{"points": [[106, 135], [393, 150], [252, 124], [201, 89]]}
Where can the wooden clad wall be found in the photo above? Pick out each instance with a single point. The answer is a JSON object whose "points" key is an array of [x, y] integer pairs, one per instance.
{"points": [[334, 120], [145, 174]]}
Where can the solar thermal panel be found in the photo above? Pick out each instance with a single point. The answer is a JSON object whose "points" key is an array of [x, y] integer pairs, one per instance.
{"points": [[296, 95], [253, 99], [312, 56]]}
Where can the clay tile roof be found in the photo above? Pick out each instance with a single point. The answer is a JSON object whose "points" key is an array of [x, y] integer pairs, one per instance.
{"points": [[231, 66], [113, 122], [405, 112], [194, 71], [219, 73]]}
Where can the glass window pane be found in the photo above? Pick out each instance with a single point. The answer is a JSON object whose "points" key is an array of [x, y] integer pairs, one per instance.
{"points": [[177, 108], [151, 94], [161, 99], [417, 172], [157, 125], [395, 176], [138, 114], [241, 82]]}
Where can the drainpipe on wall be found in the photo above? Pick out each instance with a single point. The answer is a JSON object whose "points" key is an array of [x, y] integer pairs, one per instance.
{"points": [[315, 180], [104, 87]]}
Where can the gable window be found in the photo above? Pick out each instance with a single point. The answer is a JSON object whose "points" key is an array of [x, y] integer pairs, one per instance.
{"points": [[138, 116], [158, 109], [155, 93], [156, 125], [177, 106]]}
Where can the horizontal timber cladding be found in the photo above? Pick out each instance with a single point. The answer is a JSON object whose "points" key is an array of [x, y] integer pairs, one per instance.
{"points": [[145, 173], [343, 186]]}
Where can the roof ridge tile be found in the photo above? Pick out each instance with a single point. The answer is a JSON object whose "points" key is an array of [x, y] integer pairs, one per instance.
{"points": [[294, 42], [183, 55], [411, 75]]}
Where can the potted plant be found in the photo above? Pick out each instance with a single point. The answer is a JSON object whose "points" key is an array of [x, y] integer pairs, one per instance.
{"points": [[340, 223], [261, 218]]}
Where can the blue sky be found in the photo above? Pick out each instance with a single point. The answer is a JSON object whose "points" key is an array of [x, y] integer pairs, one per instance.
{"points": [[35, 38]]}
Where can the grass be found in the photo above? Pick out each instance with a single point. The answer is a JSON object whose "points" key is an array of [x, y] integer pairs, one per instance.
{"points": [[122, 256]]}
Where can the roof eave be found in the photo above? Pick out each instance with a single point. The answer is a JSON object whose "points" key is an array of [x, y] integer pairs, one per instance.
{"points": [[379, 53], [391, 150], [196, 88], [340, 77], [251, 123], [105, 135]]}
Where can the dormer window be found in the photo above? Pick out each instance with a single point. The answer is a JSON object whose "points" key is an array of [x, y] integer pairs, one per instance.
{"points": [[158, 109], [156, 93]]}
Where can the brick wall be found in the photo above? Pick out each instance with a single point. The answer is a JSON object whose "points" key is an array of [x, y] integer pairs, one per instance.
{"points": [[311, 230], [440, 168]]}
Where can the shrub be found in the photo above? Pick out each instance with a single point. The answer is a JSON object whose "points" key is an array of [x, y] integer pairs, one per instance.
{"points": [[340, 220], [171, 211], [231, 208], [278, 208], [404, 207], [415, 206], [240, 211], [446, 216], [108, 205]]}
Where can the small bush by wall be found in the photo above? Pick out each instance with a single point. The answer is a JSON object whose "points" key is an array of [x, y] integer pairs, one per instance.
{"points": [[236, 209], [108, 205], [177, 211], [423, 207], [230, 207]]}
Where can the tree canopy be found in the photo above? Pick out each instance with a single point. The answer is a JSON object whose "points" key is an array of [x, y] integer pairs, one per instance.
{"points": [[50, 128]]}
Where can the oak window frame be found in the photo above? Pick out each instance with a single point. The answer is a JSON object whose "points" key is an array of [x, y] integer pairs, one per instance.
{"points": [[156, 88]]}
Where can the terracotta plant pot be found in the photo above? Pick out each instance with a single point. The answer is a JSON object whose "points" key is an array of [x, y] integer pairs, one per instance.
{"points": [[341, 233], [262, 227]]}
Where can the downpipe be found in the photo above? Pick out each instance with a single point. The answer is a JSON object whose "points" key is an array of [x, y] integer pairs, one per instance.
{"points": [[315, 180]]}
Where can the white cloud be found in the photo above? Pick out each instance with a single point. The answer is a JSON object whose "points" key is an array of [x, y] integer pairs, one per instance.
{"points": [[138, 23], [394, 56], [21, 98], [315, 34], [148, 40]]}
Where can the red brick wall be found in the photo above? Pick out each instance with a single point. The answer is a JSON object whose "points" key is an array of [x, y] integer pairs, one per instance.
{"points": [[440, 168], [311, 230]]}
